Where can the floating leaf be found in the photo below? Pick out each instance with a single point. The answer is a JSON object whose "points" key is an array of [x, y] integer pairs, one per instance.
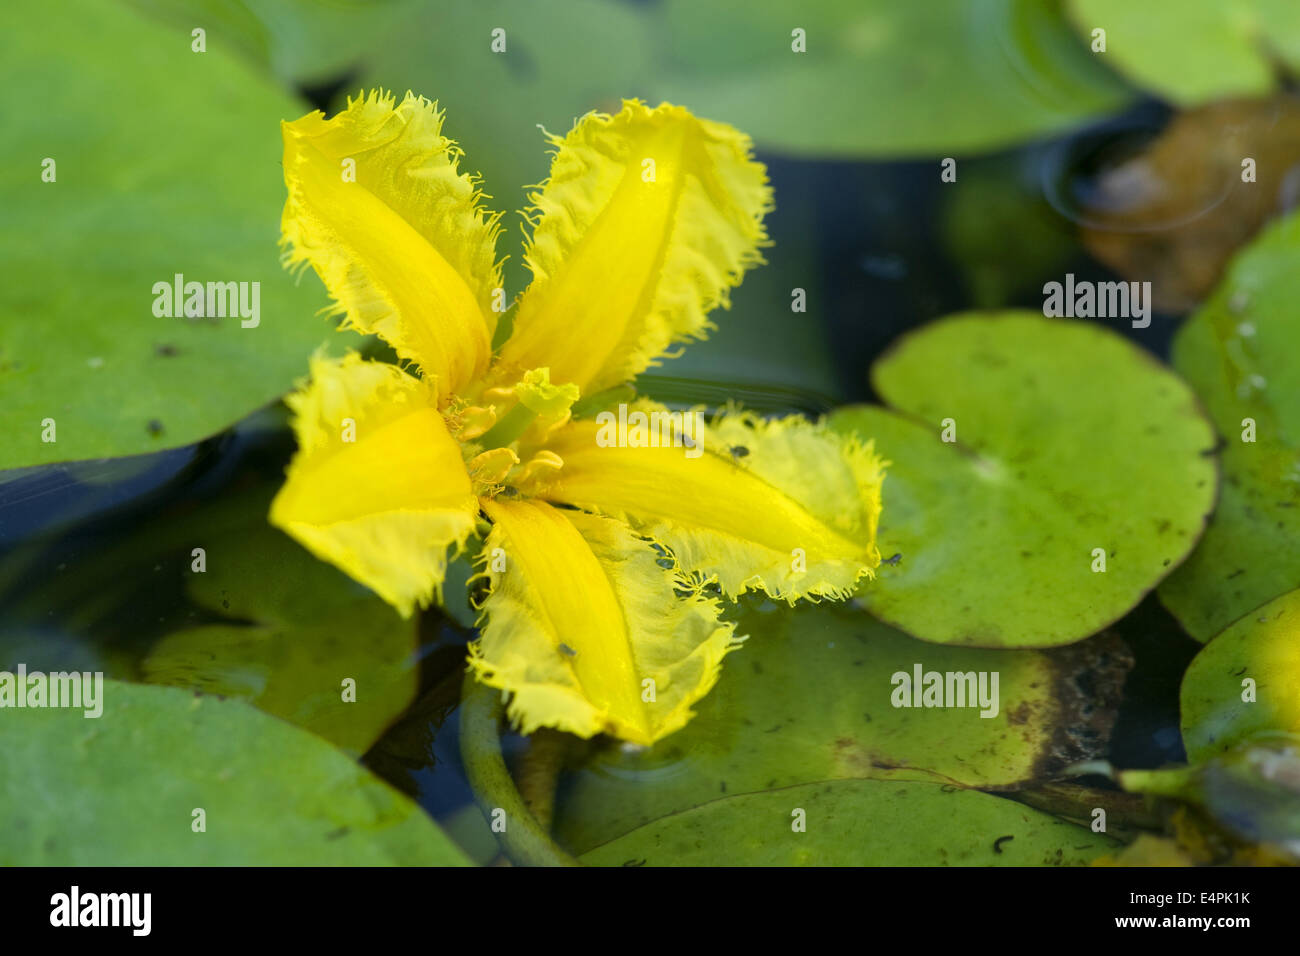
{"points": [[121, 790], [297, 666], [1194, 51], [856, 823], [809, 698], [265, 621], [945, 76], [304, 630], [1241, 353], [300, 41], [169, 167], [1218, 710], [999, 530]]}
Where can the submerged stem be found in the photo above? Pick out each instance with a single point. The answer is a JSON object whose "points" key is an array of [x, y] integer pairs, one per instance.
{"points": [[524, 840], [539, 772]]}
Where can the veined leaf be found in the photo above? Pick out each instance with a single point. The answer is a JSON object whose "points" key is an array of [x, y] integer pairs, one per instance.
{"points": [[147, 187], [1164, 45], [1241, 352], [857, 823], [300, 41], [122, 790], [1245, 681], [947, 77], [1016, 523], [812, 697]]}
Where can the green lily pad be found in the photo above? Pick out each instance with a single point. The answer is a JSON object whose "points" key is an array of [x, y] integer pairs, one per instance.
{"points": [[810, 697], [121, 790], [300, 41], [169, 167], [305, 629], [1071, 445], [265, 621], [943, 77], [289, 631], [1264, 647], [1194, 51], [1241, 352], [857, 823]]}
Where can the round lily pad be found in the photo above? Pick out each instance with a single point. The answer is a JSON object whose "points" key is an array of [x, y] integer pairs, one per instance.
{"points": [[1244, 681], [129, 178], [1195, 51], [1079, 473], [122, 789], [1241, 353], [300, 41], [857, 823], [945, 76]]}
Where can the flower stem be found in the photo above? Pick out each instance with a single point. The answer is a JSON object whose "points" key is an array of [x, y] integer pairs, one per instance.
{"points": [[524, 840], [538, 774]]}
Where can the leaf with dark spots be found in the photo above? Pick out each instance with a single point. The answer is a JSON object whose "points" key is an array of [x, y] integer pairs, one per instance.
{"points": [[995, 560], [856, 823], [1065, 701]]}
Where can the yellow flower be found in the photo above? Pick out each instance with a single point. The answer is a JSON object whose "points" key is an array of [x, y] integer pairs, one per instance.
{"points": [[610, 545]]}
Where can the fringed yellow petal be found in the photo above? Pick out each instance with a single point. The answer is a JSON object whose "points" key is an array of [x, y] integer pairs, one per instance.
{"points": [[396, 233], [378, 487], [786, 506], [586, 631], [649, 218]]}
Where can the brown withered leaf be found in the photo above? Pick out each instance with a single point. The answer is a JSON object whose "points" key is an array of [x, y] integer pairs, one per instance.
{"points": [[1175, 213]]}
